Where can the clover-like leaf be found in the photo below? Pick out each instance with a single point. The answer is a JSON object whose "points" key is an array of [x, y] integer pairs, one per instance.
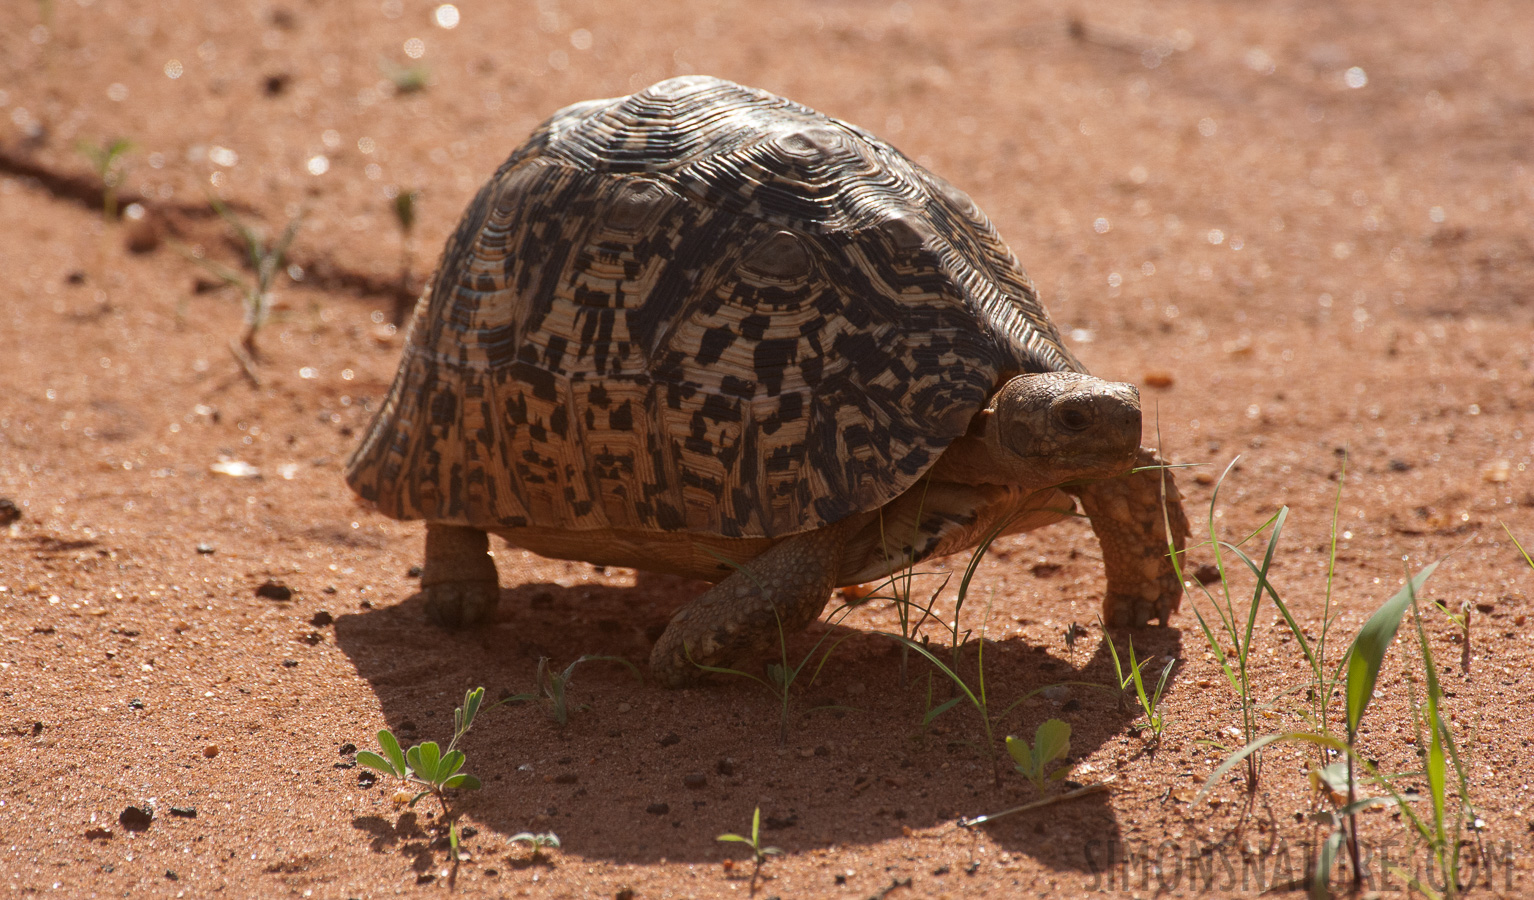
{"points": [[374, 761], [391, 749]]}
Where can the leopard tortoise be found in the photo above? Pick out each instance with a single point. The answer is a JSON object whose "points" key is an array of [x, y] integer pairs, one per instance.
{"points": [[702, 325]]}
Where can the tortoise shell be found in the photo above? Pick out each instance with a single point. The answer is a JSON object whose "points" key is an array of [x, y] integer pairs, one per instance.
{"points": [[699, 309]]}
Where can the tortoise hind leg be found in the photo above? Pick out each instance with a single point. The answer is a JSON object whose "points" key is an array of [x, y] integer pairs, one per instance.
{"points": [[778, 593], [459, 576], [1126, 514]]}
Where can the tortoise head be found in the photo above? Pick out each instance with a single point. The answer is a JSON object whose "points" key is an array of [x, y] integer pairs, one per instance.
{"points": [[1047, 428]]}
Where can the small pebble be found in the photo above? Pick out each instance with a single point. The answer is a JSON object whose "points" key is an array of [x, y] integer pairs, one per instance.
{"points": [[695, 780], [725, 767], [135, 703], [1158, 379], [185, 812], [624, 707], [414, 572], [273, 590], [322, 619], [206, 549], [348, 749], [670, 740], [210, 751], [658, 809], [171, 876], [136, 818], [9, 511], [99, 834], [290, 664]]}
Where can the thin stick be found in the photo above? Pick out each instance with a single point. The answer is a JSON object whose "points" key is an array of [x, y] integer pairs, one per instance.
{"points": [[1047, 801], [241, 357]]}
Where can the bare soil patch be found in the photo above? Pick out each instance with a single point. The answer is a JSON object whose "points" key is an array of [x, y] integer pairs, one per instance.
{"points": [[1303, 228]]}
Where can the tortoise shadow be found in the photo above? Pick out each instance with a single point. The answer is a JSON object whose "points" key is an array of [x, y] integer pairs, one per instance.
{"points": [[641, 773]]}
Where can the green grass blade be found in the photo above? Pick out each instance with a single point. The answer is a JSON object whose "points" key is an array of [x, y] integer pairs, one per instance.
{"points": [[1324, 740], [1367, 654], [1326, 858]]}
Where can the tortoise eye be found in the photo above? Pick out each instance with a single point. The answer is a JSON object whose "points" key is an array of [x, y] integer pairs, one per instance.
{"points": [[782, 256], [1074, 419]]}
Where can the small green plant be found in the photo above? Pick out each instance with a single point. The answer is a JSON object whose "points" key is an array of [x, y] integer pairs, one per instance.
{"points": [[408, 79], [1438, 749], [267, 262], [404, 207], [1150, 701], [552, 686], [536, 841], [1236, 624], [779, 677], [759, 853], [1051, 743], [108, 159], [429, 767]]}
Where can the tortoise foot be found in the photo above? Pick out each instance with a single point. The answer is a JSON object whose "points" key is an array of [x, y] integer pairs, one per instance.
{"points": [[459, 577], [461, 604]]}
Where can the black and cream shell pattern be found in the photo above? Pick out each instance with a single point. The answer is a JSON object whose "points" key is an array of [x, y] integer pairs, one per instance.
{"points": [[698, 309]]}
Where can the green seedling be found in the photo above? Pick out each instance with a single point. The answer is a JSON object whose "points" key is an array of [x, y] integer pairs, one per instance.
{"points": [[404, 207], [427, 766], [779, 677], [552, 687], [1236, 624], [977, 695], [1461, 621], [759, 853], [1051, 743], [408, 79], [108, 159], [536, 841], [1362, 665], [1150, 701], [267, 262]]}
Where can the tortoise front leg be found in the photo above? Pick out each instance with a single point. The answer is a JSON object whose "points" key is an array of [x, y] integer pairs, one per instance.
{"points": [[459, 576], [1126, 514], [778, 593]]}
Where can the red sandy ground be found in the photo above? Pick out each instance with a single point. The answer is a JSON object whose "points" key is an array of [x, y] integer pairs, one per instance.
{"points": [[1304, 227]]}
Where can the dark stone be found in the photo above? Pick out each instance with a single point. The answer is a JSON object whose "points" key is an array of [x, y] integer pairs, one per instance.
{"points": [[290, 664], [9, 511], [671, 739], [348, 748], [322, 619], [185, 812], [695, 780], [136, 818], [273, 590], [725, 767], [658, 809]]}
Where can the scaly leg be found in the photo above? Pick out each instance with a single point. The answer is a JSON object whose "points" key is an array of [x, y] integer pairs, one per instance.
{"points": [[459, 576], [779, 593], [1126, 514]]}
